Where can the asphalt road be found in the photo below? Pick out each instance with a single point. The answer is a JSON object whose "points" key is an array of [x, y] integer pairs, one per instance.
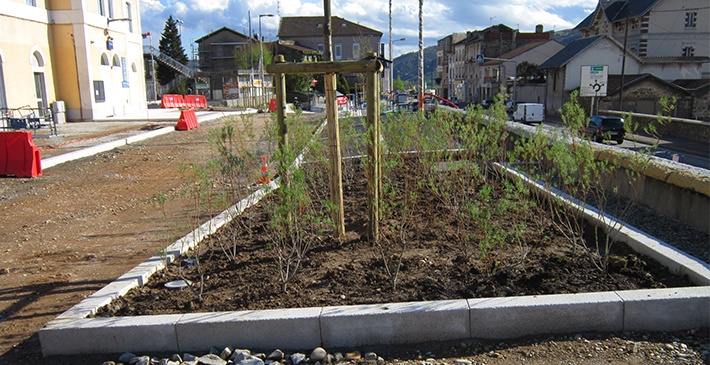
{"points": [[683, 150]]}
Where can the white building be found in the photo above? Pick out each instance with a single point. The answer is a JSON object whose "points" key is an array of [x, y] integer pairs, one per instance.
{"points": [[671, 37]]}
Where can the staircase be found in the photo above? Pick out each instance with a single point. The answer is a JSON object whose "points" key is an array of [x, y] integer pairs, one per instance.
{"points": [[185, 72]]}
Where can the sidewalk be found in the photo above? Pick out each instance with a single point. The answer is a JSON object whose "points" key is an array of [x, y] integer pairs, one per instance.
{"points": [[74, 136]]}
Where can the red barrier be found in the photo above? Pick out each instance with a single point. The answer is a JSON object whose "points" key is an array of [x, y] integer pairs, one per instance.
{"points": [[19, 156], [187, 121], [172, 101], [272, 105], [196, 101]]}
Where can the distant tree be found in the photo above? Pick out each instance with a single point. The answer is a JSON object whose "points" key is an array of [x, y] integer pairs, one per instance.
{"points": [[298, 83], [242, 61], [171, 45], [529, 72], [342, 85], [398, 84]]}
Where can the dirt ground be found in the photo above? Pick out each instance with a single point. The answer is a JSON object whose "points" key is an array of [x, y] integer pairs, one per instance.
{"points": [[84, 223]]}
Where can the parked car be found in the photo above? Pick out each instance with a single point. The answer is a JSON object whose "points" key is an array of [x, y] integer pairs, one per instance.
{"points": [[600, 128]]}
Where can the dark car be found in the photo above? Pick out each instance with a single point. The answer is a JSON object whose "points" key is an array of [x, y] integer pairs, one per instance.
{"points": [[600, 128]]}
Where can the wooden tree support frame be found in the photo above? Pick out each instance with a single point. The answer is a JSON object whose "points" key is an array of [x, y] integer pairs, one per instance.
{"points": [[371, 66]]}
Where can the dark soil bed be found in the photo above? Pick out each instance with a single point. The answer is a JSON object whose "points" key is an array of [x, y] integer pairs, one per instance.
{"points": [[435, 265]]}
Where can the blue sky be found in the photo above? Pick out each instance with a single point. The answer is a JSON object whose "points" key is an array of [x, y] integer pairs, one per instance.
{"points": [[440, 17]]}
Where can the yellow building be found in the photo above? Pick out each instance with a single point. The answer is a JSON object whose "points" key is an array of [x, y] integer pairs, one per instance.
{"points": [[87, 53]]}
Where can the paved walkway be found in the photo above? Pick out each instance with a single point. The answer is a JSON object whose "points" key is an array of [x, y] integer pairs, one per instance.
{"points": [[74, 136]]}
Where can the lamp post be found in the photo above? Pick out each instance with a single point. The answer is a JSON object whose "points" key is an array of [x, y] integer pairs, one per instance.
{"points": [[261, 53], [391, 73]]}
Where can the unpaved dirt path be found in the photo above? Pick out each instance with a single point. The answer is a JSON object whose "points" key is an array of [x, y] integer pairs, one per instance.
{"points": [[82, 224]]}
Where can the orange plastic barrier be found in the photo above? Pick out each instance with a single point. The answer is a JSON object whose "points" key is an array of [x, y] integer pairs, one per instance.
{"points": [[272, 105], [196, 101], [187, 121], [19, 156], [172, 101]]}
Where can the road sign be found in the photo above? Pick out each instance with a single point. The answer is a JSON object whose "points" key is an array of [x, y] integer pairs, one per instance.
{"points": [[593, 80], [480, 58]]}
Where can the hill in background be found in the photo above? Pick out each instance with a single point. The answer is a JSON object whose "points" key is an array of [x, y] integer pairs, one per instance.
{"points": [[405, 66]]}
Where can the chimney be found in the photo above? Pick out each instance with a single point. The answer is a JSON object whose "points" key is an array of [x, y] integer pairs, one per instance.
{"points": [[538, 28]]}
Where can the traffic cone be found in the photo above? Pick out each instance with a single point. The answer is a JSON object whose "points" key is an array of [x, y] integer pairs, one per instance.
{"points": [[264, 171]]}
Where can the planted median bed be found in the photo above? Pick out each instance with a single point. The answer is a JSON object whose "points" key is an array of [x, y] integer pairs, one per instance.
{"points": [[453, 225]]}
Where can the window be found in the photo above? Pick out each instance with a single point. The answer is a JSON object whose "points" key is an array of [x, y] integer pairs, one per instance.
{"points": [[688, 51], [110, 9], [356, 51], [116, 60], [99, 94], [128, 16], [104, 59], [690, 18], [102, 8], [31, 2], [320, 48], [338, 51], [133, 67]]}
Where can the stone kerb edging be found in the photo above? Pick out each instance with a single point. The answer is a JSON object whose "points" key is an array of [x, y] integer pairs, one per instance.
{"points": [[673, 173], [378, 324], [678, 262]]}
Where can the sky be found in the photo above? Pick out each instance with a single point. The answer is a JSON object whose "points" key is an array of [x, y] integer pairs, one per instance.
{"points": [[440, 17]]}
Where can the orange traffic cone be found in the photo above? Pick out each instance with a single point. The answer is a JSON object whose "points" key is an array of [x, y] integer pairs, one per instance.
{"points": [[264, 171]]}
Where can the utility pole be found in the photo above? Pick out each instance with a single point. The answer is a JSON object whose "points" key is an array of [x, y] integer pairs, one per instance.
{"points": [[251, 55], [623, 59], [390, 74], [420, 76]]}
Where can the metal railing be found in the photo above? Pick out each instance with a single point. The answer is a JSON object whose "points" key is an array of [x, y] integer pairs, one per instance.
{"points": [[27, 117]]}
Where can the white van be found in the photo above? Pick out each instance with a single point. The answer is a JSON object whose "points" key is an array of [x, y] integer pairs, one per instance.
{"points": [[529, 113]]}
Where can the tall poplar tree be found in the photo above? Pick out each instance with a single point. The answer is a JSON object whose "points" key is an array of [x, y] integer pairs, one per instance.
{"points": [[171, 45]]}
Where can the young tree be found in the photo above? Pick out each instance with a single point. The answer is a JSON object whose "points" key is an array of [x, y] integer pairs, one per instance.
{"points": [[171, 45], [242, 60], [398, 84]]}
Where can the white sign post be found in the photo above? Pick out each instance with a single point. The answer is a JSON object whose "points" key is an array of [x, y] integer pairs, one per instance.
{"points": [[594, 81]]}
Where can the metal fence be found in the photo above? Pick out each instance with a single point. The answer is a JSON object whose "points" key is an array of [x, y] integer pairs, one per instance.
{"points": [[27, 117]]}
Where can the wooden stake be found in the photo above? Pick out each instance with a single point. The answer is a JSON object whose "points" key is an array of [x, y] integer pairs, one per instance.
{"points": [[373, 151]]}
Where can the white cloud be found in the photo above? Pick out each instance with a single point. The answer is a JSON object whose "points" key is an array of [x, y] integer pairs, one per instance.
{"points": [[209, 6], [151, 6], [179, 8]]}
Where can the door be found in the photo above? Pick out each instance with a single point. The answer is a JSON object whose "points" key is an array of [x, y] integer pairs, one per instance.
{"points": [[40, 93]]}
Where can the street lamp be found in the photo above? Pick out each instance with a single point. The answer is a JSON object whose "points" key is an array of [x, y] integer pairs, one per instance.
{"points": [[391, 73], [261, 53], [179, 24]]}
